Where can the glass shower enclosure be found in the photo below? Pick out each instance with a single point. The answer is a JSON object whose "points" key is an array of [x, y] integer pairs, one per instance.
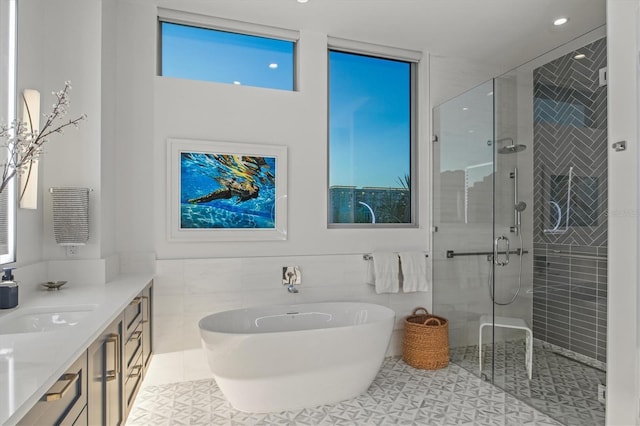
{"points": [[481, 248], [519, 243]]}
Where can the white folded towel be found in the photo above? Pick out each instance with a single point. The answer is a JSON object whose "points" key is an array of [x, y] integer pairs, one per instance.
{"points": [[415, 271], [386, 272]]}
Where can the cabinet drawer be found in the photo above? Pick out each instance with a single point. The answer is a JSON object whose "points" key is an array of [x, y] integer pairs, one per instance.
{"points": [[133, 379], [83, 418], [133, 315], [64, 401], [147, 325], [132, 348]]}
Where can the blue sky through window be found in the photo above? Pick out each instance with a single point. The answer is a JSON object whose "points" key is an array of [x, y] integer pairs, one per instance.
{"points": [[369, 120], [211, 55]]}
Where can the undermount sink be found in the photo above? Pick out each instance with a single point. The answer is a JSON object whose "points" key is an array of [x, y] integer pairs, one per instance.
{"points": [[43, 319]]}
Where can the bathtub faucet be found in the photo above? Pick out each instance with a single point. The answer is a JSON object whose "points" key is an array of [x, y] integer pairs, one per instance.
{"points": [[291, 277], [291, 288]]}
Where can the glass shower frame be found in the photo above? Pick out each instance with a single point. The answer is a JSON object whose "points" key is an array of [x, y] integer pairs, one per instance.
{"points": [[476, 189]]}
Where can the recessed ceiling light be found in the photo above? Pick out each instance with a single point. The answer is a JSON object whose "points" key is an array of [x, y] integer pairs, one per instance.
{"points": [[560, 21], [273, 65], [302, 1], [465, 109], [236, 82], [580, 56]]}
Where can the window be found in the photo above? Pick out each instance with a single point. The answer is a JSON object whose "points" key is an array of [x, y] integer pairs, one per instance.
{"points": [[198, 53], [8, 32], [371, 140]]}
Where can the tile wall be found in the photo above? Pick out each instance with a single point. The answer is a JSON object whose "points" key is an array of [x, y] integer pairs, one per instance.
{"points": [[570, 145], [570, 298], [186, 290]]}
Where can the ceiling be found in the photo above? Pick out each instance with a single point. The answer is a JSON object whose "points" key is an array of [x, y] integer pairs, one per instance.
{"points": [[501, 33]]}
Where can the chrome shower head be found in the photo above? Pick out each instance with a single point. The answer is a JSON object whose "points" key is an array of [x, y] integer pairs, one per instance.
{"points": [[512, 148]]}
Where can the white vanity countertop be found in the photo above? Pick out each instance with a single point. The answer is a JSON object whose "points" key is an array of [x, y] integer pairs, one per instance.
{"points": [[30, 363]]}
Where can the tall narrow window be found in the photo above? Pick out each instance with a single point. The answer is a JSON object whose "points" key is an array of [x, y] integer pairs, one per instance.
{"points": [[197, 53], [371, 133]]}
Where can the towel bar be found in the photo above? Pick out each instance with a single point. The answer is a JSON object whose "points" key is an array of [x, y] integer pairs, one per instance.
{"points": [[369, 256]]}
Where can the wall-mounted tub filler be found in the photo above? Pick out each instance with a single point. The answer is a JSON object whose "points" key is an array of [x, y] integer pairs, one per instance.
{"points": [[290, 277]]}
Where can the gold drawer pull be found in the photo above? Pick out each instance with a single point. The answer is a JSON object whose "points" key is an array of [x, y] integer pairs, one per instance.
{"points": [[71, 379], [135, 301], [113, 374], [138, 370]]}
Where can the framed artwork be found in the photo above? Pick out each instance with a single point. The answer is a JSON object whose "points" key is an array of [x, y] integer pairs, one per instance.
{"points": [[226, 191]]}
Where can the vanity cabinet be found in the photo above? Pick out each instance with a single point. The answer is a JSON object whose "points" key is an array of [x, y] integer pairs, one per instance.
{"points": [[147, 326], [105, 376], [66, 401], [132, 353], [137, 347], [100, 387]]}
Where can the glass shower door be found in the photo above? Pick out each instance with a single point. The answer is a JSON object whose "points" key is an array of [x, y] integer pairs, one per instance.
{"points": [[464, 219], [512, 272]]}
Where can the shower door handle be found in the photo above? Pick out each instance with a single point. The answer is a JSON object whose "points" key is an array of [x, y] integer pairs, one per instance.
{"points": [[496, 243]]}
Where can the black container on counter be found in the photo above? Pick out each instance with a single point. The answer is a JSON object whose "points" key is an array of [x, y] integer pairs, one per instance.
{"points": [[8, 290]]}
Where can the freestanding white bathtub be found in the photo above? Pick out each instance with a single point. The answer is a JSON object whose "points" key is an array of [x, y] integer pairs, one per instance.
{"points": [[286, 357]]}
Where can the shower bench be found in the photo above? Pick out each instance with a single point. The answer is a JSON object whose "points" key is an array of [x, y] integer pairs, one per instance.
{"points": [[508, 322]]}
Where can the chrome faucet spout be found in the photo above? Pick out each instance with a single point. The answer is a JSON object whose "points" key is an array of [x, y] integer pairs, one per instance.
{"points": [[292, 288]]}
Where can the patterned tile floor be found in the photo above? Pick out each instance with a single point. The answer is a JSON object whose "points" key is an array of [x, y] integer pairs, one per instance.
{"points": [[560, 387], [400, 395]]}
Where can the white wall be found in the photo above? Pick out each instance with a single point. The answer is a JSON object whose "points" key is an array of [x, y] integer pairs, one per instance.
{"points": [[221, 112], [75, 158], [622, 347], [49, 54], [176, 108], [30, 50], [195, 279]]}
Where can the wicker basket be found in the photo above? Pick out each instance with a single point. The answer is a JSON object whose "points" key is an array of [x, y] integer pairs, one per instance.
{"points": [[426, 340]]}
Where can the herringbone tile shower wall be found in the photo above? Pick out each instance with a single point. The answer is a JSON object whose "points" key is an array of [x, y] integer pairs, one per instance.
{"points": [[570, 198]]}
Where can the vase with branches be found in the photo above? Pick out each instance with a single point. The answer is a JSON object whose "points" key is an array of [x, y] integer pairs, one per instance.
{"points": [[24, 144]]}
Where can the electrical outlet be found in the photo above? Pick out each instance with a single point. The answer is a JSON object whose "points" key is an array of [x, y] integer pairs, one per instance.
{"points": [[602, 393]]}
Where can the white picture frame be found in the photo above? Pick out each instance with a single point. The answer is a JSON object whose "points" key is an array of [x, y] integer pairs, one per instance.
{"points": [[226, 191]]}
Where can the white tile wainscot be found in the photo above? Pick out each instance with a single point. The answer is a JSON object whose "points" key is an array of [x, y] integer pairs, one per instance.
{"points": [[187, 290]]}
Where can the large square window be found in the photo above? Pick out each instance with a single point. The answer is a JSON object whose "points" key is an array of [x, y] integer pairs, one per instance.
{"points": [[196, 53], [371, 134]]}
